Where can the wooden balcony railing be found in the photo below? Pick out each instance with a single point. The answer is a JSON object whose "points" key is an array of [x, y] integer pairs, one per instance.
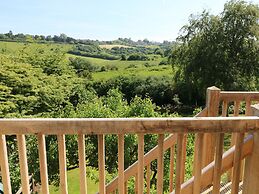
{"points": [[209, 163]]}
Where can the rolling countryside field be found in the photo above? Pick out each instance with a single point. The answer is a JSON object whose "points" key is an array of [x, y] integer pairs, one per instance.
{"points": [[135, 68]]}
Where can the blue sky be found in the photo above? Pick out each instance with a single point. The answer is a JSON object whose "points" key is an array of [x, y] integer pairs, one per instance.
{"points": [[103, 19]]}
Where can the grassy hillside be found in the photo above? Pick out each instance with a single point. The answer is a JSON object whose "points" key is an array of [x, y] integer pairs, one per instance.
{"points": [[162, 70], [115, 67], [128, 68], [9, 47]]}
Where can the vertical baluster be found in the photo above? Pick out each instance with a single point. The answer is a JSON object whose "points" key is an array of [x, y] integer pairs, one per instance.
{"points": [[62, 163], [171, 171], [248, 112], [4, 166], [233, 136], [224, 108], [160, 164], [218, 163], [179, 163], [248, 107], [23, 164], [140, 163], [237, 163], [183, 157], [236, 113], [148, 177], [43, 164], [198, 164], [126, 187], [195, 152], [224, 114], [121, 163], [136, 183], [101, 160], [82, 165]]}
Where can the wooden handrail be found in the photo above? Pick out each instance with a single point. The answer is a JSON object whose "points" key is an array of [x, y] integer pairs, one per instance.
{"points": [[128, 125], [240, 96]]}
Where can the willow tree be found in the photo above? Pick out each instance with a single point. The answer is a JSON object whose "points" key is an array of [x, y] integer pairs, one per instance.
{"points": [[221, 50]]}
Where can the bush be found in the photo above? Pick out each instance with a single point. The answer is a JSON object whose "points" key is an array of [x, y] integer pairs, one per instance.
{"points": [[138, 57], [80, 64]]}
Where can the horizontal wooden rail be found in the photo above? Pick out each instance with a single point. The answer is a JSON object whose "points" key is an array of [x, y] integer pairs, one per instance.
{"points": [[129, 125], [241, 96]]}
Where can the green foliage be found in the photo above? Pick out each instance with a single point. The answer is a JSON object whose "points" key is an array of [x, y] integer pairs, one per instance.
{"points": [[83, 67], [219, 50], [159, 89], [159, 51], [51, 60]]}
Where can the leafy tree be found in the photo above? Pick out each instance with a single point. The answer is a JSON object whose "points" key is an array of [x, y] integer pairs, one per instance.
{"points": [[48, 38], [123, 57], [10, 34], [63, 37], [83, 67], [219, 50], [138, 57], [159, 51]]}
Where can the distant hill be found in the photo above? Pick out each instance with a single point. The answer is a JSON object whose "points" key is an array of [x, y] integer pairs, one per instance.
{"points": [[63, 38]]}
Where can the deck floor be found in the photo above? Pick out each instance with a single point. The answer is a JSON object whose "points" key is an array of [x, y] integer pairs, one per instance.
{"points": [[224, 189]]}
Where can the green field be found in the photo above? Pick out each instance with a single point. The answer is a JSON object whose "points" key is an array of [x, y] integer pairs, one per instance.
{"points": [[129, 68], [13, 47], [138, 72], [125, 68], [74, 184]]}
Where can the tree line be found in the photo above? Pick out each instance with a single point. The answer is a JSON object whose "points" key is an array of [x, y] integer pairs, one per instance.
{"points": [[63, 38]]}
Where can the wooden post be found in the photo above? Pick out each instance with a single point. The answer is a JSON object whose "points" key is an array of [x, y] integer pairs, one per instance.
{"points": [[160, 164], [101, 164], [4, 165], [43, 164], [183, 157], [140, 163], [121, 164], [171, 170], [62, 164], [148, 177], [136, 183], [218, 163], [251, 175], [82, 165], [212, 103], [23, 164], [179, 163], [197, 164]]}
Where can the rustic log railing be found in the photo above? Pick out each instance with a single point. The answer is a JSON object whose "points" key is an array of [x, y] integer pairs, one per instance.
{"points": [[209, 162]]}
